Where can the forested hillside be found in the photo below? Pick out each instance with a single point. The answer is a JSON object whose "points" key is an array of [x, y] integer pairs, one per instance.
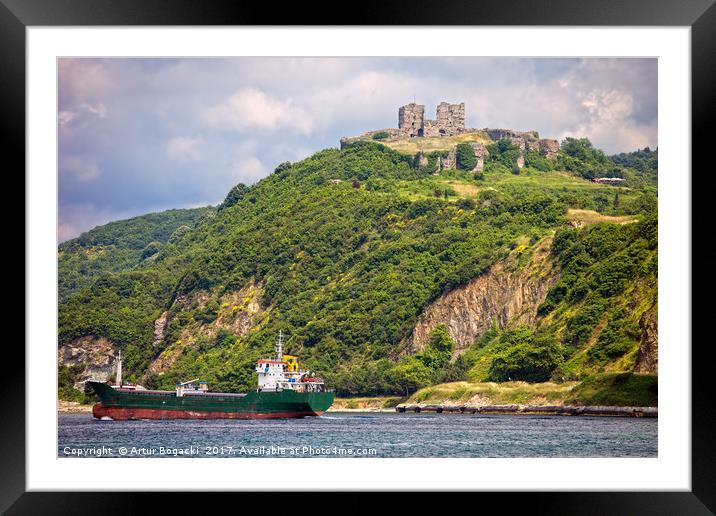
{"points": [[119, 246], [345, 250]]}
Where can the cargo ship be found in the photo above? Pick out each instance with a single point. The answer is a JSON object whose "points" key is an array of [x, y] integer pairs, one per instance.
{"points": [[284, 391]]}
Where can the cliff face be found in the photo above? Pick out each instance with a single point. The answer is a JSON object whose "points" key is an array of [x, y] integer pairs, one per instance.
{"points": [[96, 354], [647, 360], [506, 293]]}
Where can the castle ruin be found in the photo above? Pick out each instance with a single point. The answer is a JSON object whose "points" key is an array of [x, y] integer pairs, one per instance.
{"points": [[449, 120]]}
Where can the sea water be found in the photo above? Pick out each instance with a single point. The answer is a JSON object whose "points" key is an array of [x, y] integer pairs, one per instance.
{"points": [[364, 434]]}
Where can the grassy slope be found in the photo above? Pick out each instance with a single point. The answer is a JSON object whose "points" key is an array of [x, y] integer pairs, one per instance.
{"points": [[413, 145], [620, 389]]}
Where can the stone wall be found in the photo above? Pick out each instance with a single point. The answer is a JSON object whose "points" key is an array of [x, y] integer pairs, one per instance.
{"points": [[411, 120], [549, 148], [449, 120], [481, 153]]}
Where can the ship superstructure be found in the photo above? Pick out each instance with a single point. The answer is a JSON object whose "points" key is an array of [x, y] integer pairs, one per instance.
{"points": [[283, 372], [284, 391]]}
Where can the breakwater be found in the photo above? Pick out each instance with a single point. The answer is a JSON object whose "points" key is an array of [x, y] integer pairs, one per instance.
{"points": [[554, 410]]}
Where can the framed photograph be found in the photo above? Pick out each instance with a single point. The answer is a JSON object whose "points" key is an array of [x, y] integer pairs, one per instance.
{"points": [[448, 252]]}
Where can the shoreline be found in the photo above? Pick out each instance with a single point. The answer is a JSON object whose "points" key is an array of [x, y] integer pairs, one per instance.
{"points": [[543, 410], [73, 407]]}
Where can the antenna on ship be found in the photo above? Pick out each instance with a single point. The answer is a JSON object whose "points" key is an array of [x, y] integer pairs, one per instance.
{"points": [[279, 347]]}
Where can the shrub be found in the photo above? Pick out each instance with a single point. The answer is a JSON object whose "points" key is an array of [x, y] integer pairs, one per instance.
{"points": [[381, 135], [619, 389], [527, 358], [465, 156], [235, 195], [436, 354], [151, 249], [581, 326], [410, 374]]}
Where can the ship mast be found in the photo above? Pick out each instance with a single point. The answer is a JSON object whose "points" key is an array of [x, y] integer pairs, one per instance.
{"points": [[279, 347]]}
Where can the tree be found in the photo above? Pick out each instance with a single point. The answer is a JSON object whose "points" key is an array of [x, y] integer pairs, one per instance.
{"points": [[465, 156], [528, 358], [455, 371], [503, 152], [438, 351], [410, 374], [234, 196]]}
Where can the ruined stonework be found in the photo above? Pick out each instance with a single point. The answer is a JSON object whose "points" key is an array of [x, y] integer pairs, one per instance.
{"points": [[481, 153], [450, 161], [549, 148], [411, 120], [519, 142], [422, 160], [449, 120]]}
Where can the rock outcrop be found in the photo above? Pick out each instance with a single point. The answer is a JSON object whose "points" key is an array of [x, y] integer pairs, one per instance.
{"points": [[160, 329], [507, 293], [647, 361], [95, 354], [239, 311]]}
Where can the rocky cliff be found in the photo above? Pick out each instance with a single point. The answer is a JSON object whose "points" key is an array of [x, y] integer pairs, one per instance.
{"points": [[95, 354], [508, 292], [647, 360]]}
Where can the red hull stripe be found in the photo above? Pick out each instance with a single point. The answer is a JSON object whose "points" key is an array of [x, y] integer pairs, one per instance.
{"points": [[124, 413]]}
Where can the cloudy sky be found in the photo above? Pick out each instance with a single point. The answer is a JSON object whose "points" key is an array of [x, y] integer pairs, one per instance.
{"points": [[142, 135]]}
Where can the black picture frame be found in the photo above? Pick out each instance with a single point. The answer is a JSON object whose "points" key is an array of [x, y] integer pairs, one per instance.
{"points": [[700, 15]]}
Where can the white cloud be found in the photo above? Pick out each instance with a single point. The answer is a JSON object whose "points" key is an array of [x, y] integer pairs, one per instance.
{"points": [[99, 109], [184, 149], [608, 122], [252, 109], [252, 168], [83, 169], [239, 117], [65, 117]]}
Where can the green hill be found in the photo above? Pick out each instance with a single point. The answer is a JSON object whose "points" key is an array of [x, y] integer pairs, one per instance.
{"points": [[346, 249], [118, 246]]}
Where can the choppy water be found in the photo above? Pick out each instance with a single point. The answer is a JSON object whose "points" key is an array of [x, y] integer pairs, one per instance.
{"points": [[340, 434]]}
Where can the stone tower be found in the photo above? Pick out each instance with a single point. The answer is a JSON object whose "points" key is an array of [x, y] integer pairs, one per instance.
{"points": [[450, 118], [411, 120]]}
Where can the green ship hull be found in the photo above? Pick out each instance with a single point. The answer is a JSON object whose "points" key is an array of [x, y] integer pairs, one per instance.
{"points": [[123, 404]]}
